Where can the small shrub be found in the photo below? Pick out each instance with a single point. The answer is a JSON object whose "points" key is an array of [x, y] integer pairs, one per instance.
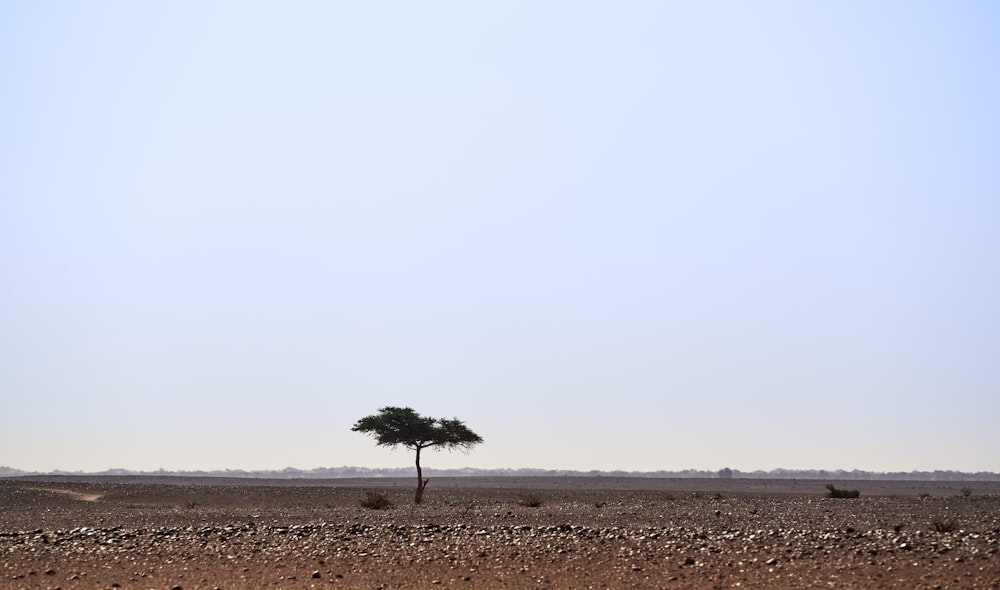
{"points": [[835, 493], [944, 525], [531, 501], [923, 495], [375, 500], [191, 504], [966, 492]]}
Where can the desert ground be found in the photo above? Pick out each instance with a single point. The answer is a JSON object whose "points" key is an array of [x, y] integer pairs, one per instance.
{"points": [[491, 532]]}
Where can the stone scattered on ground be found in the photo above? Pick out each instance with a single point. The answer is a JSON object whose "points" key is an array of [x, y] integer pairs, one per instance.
{"points": [[591, 532]]}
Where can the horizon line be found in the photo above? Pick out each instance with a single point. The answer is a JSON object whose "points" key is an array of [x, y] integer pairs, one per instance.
{"points": [[348, 471]]}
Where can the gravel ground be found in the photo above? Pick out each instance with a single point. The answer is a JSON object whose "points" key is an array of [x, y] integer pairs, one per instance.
{"points": [[598, 532]]}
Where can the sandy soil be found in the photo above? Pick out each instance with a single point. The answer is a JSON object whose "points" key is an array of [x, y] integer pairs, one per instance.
{"points": [[592, 532]]}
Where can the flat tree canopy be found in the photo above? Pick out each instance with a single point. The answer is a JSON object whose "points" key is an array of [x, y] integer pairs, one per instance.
{"points": [[402, 426]]}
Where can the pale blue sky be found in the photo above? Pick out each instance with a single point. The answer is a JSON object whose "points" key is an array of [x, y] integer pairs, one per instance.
{"points": [[637, 236]]}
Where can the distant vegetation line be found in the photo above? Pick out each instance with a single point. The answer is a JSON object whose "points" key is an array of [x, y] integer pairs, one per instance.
{"points": [[349, 471]]}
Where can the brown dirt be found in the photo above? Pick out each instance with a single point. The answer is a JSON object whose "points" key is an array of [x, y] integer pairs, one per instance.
{"points": [[81, 496], [590, 532]]}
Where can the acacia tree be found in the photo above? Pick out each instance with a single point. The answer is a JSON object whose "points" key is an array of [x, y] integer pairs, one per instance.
{"points": [[402, 426]]}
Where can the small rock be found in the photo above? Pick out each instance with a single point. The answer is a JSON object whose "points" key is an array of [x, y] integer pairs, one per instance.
{"points": [[316, 574]]}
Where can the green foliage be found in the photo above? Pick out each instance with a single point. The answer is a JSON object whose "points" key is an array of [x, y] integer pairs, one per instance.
{"points": [[402, 426], [835, 493]]}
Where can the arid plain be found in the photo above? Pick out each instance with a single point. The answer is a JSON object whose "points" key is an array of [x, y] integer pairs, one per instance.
{"points": [[491, 532]]}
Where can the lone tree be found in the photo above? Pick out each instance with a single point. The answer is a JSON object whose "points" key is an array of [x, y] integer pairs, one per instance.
{"points": [[402, 426]]}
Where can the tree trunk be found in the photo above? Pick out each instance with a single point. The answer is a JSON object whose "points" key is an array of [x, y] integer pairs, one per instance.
{"points": [[421, 482]]}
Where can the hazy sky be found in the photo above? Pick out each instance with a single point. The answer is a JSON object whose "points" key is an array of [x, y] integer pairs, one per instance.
{"points": [[639, 236]]}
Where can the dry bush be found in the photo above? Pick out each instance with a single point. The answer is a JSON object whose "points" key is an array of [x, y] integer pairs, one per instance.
{"points": [[944, 525], [531, 501], [835, 493], [375, 500]]}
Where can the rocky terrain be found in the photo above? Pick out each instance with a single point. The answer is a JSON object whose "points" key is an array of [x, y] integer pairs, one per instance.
{"points": [[591, 532]]}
